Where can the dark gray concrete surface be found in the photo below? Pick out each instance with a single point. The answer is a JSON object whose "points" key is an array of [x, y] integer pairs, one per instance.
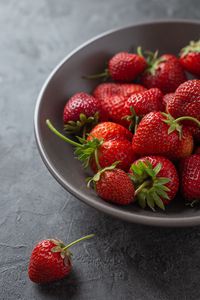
{"points": [[124, 261]]}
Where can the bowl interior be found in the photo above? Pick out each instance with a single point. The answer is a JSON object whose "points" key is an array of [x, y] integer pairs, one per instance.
{"points": [[67, 80]]}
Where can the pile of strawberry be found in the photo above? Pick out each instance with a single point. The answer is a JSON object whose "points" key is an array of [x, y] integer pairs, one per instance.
{"points": [[140, 132]]}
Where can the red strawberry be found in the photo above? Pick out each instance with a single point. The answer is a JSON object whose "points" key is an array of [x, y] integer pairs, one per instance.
{"points": [[128, 89], [166, 98], [165, 73], [146, 102], [109, 131], [104, 91], [99, 153], [156, 181], [81, 110], [123, 67], [195, 131], [51, 260], [113, 185], [115, 107], [197, 151], [190, 177], [114, 150], [160, 134], [190, 58], [186, 101], [118, 107]]}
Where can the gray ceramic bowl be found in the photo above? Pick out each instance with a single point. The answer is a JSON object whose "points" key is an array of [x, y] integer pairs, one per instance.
{"points": [[66, 79]]}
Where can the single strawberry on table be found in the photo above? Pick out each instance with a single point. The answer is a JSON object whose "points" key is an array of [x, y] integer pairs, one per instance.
{"points": [[51, 260], [100, 152], [123, 67], [113, 185], [156, 181], [160, 134], [80, 112], [164, 72], [190, 178], [190, 58]]}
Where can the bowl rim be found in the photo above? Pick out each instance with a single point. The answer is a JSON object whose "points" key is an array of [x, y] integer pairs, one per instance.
{"points": [[102, 206]]}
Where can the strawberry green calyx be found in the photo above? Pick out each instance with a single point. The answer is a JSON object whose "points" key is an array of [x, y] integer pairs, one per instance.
{"points": [[64, 249], [84, 150], [133, 119], [192, 47], [139, 51], [174, 124], [84, 124], [97, 176], [150, 188], [153, 62]]}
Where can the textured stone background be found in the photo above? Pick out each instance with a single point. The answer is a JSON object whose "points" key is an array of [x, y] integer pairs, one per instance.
{"points": [[124, 261]]}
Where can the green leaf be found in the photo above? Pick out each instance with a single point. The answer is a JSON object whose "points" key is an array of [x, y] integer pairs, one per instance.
{"points": [[163, 194], [150, 201], [136, 169], [157, 168], [150, 172], [56, 249], [158, 201], [141, 197], [171, 128], [163, 180], [163, 188], [82, 118]]}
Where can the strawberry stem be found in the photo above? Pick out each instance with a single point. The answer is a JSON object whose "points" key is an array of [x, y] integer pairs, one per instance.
{"points": [[139, 51], [77, 241], [188, 118], [97, 159], [140, 188], [64, 138], [104, 74]]}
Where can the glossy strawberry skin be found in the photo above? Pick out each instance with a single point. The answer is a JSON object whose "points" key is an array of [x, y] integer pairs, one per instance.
{"points": [[113, 97], [190, 177], [118, 106], [168, 170], [47, 266], [112, 151], [128, 89], [115, 106], [81, 103], [186, 100], [195, 131], [167, 76], [191, 62], [110, 131], [125, 67], [152, 138], [166, 98], [106, 90], [146, 102], [115, 186]]}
